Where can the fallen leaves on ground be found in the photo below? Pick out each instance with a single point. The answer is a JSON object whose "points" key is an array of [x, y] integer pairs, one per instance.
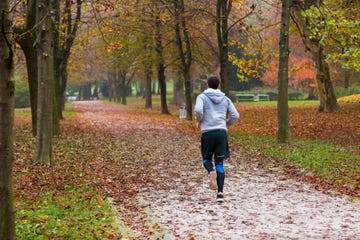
{"points": [[118, 150], [342, 127]]}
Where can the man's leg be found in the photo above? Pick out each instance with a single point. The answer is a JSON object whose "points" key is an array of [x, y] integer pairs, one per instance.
{"points": [[208, 165], [207, 152], [220, 175], [221, 152]]}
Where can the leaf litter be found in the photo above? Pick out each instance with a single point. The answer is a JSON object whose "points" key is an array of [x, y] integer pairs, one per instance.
{"points": [[151, 170]]}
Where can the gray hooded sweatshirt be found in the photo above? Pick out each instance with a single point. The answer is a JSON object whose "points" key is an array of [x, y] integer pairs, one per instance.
{"points": [[211, 110]]}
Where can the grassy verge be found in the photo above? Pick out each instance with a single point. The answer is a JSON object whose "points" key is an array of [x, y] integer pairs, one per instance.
{"points": [[338, 165], [69, 214], [274, 103]]}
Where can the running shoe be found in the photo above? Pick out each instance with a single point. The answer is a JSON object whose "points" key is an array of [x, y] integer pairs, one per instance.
{"points": [[220, 197], [213, 183]]}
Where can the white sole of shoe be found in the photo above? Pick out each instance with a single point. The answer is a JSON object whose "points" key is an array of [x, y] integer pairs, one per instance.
{"points": [[213, 183]]}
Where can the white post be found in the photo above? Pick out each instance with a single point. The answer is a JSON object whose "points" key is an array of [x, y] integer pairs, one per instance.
{"points": [[182, 112]]}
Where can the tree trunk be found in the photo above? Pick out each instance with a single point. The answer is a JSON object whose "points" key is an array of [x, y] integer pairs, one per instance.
{"points": [[160, 63], [61, 83], [223, 9], [45, 61], [328, 102], [178, 88], [162, 84], [86, 93], [7, 90], [56, 120], [311, 92], [283, 108], [123, 93], [57, 58], [148, 93], [111, 80], [182, 37], [31, 66], [96, 90], [123, 86], [62, 46], [347, 76], [27, 45]]}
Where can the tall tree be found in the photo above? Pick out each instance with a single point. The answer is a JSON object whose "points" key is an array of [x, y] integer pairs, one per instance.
{"points": [[223, 9], [45, 73], [184, 50], [125, 80], [282, 107], [160, 56], [64, 35], [7, 90], [26, 38], [148, 47], [313, 43]]}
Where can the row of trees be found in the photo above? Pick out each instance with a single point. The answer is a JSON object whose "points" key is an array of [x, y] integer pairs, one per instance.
{"points": [[167, 39], [246, 29], [45, 30]]}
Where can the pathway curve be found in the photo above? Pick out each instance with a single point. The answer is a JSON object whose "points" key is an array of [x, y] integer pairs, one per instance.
{"points": [[260, 203]]}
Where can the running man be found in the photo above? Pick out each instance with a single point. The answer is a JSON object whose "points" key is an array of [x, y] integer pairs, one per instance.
{"points": [[211, 110]]}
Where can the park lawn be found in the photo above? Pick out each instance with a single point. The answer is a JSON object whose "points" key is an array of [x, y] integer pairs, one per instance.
{"points": [[295, 103], [71, 213]]}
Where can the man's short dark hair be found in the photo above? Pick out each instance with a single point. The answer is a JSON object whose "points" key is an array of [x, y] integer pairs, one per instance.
{"points": [[213, 82]]}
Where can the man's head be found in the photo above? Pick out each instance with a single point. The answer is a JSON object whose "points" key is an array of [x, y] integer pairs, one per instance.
{"points": [[213, 82]]}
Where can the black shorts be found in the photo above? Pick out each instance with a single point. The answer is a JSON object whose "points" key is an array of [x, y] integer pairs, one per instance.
{"points": [[214, 143]]}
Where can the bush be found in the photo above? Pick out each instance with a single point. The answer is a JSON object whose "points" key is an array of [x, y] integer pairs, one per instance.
{"points": [[295, 96], [342, 92], [272, 95], [350, 99], [22, 95]]}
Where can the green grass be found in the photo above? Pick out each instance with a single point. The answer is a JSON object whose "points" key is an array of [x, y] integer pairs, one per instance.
{"points": [[26, 112], [23, 112], [69, 110], [69, 214], [339, 165], [297, 103]]}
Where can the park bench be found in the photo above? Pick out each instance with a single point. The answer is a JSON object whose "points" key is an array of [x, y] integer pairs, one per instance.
{"points": [[250, 97]]}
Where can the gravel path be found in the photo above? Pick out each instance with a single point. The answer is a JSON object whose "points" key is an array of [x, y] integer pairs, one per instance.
{"points": [[260, 203]]}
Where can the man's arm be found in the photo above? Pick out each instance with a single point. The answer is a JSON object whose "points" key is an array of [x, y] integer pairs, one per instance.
{"points": [[199, 109], [233, 114]]}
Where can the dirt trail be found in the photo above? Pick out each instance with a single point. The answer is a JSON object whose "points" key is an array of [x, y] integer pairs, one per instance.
{"points": [[260, 203]]}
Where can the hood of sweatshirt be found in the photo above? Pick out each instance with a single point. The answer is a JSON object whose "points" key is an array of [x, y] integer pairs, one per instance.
{"points": [[215, 95]]}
